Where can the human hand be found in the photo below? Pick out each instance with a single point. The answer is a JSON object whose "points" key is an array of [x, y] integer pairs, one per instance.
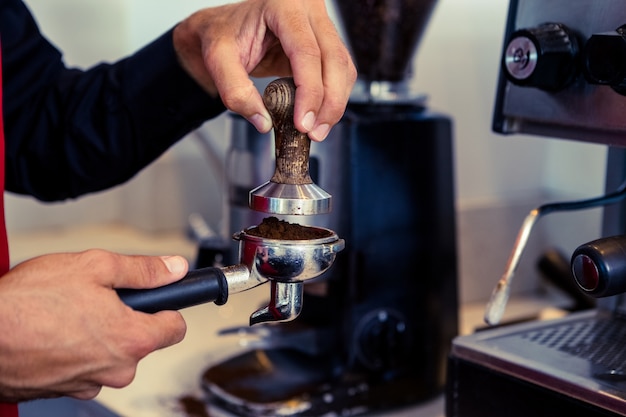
{"points": [[65, 332], [222, 47]]}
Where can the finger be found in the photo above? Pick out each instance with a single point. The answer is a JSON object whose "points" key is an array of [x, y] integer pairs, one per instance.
{"points": [[124, 271], [235, 87], [171, 328], [143, 334], [87, 393], [152, 271], [152, 332], [323, 72], [339, 75], [301, 48]]}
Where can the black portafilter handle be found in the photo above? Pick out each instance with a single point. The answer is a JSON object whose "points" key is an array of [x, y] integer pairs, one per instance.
{"points": [[599, 267], [199, 286]]}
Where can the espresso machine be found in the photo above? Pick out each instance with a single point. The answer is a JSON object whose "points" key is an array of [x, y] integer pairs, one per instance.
{"points": [[563, 72], [375, 329]]}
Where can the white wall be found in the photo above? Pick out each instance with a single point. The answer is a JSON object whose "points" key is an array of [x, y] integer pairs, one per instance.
{"points": [[182, 181], [498, 179], [457, 65]]}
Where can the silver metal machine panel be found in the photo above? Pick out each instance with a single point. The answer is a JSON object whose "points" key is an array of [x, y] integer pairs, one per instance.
{"points": [[580, 356], [581, 111]]}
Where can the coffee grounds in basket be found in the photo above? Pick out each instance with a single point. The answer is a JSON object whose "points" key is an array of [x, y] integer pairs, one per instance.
{"points": [[273, 228], [192, 406]]}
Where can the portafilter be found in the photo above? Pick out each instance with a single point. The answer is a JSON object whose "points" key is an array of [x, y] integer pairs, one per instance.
{"points": [[286, 263]]}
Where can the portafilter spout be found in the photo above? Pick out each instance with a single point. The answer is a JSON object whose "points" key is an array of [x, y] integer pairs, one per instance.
{"points": [[285, 263], [291, 189]]}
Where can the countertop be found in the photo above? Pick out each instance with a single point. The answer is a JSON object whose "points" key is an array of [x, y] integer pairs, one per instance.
{"points": [[164, 376]]}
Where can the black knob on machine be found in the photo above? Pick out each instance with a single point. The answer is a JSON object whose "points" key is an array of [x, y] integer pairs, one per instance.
{"points": [[382, 340], [545, 57], [599, 267], [604, 59]]}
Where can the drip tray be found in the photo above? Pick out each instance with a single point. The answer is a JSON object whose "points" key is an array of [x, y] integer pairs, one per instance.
{"points": [[582, 356], [286, 382], [266, 382]]}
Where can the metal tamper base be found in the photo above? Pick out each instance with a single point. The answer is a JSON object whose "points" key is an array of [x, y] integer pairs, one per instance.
{"points": [[299, 199]]}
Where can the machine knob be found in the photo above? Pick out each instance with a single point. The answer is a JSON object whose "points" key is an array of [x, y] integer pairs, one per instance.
{"points": [[382, 340], [545, 57], [599, 267], [604, 59]]}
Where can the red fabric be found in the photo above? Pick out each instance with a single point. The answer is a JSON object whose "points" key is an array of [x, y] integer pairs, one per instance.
{"points": [[4, 246], [6, 410]]}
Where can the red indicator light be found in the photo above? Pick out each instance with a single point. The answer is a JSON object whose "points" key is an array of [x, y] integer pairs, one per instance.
{"points": [[586, 273]]}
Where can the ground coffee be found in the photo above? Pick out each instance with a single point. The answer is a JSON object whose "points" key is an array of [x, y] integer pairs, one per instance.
{"points": [[193, 407], [273, 228]]}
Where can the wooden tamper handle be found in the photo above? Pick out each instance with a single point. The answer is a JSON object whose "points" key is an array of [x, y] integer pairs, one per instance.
{"points": [[291, 189], [292, 146]]}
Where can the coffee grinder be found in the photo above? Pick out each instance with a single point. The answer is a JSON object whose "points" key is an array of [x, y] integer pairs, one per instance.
{"points": [[375, 329]]}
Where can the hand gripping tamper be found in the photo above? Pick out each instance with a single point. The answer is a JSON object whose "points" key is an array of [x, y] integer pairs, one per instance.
{"points": [[291, 189]]}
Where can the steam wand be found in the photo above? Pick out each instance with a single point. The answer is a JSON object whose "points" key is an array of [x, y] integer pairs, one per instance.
{"points": [[500, 295]]}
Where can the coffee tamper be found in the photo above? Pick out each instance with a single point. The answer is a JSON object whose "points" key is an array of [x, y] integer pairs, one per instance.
{"points": [[291, 189]]}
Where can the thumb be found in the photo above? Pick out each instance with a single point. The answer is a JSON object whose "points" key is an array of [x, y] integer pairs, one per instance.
{"points": [[147, 271], [176, 265]]}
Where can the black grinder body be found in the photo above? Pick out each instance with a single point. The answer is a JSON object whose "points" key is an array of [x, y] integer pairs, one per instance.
{"points": [[392, 293]]}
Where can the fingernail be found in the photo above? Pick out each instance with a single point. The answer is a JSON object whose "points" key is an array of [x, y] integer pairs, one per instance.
{"points": [[320, 132], [262, 123], [175, 264], [308, 121]]}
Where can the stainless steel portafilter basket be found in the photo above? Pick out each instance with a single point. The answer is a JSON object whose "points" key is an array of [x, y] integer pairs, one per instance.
{"points": [[288, 261], [286, 264], [291, 189]]}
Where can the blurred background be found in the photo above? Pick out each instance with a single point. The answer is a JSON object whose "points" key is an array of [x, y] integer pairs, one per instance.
{"points": [[498, 179]]}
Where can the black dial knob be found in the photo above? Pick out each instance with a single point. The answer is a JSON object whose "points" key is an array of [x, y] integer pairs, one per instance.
{"points": [[382, 340], [604, 58], [545, 57], [599, 267]]}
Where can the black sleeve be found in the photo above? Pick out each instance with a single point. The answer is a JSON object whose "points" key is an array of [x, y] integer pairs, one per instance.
{"points": [[69, 132]]}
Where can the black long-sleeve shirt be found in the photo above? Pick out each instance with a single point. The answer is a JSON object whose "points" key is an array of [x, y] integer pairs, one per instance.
{"points": [[69, 132]]}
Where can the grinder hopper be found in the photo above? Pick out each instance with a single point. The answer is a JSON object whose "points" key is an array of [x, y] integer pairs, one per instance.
{"points": [[383, 36]]}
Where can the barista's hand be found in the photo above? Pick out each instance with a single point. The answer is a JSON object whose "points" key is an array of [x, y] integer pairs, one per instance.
{"points": [[222, 47], [64, 330]]}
